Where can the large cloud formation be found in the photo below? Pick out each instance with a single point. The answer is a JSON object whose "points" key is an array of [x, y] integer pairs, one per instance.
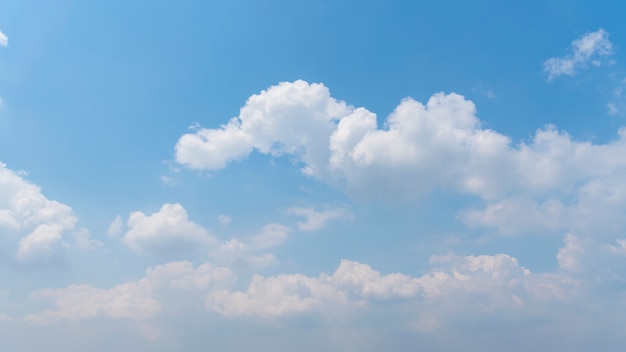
{"points": [[551, 179], [439, 144], [488, 287]]}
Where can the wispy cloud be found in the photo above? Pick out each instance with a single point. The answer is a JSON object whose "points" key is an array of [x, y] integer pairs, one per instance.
{"points": [[589, 48], [4, 40], [316, 220]]}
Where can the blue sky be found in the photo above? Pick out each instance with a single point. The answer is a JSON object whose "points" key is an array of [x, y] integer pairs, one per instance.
{"points": [[312, 175]]}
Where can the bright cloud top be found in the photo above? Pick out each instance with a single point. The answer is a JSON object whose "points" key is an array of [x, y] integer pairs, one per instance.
{"points": [[167, 231], [440, 145], [4, 40], [589, 48], [38, 228]]}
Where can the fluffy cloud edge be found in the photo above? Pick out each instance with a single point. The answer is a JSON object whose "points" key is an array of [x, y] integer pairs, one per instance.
{"points": [[588, 48], [43, 231]]}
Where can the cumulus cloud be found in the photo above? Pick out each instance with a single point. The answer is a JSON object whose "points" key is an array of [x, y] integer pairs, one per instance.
{"points": [[550, 183], [79, 302], [137, 300], [474, 289], [36, 226], [167, 231], [316, 220], [286, 118], [4, 40], [592, 204], [439, 145], [421, 148], [498, 279], [44, 245], [589, 48]]}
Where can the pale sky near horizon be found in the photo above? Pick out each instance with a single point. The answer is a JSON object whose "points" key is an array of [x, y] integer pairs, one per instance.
{"points": [[312, 175]]}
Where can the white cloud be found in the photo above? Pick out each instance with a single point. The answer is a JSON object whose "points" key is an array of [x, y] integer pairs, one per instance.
{"points": [[137, 300], [34, 225], [116, 227], [224, 219], [78, 302], [316, 220], [549, 184], [589, 48], [271, 235], [423, 146], [286, 118], [569, 255], [166, 232], [4, 40], [591, 204], [169, 231], [183, 275], [248, 252], [440, 145], [457, 290], [276, 296], [44, 245], [83, 241], [498, 280]]}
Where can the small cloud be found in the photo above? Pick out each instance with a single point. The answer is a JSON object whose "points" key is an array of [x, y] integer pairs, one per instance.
{"points": [[618, 102], [483, 89], [224, 219], [589, 48], [316, 220], [166, 180], [83, 241], [4, 40], [170, 178], [116, 227]]}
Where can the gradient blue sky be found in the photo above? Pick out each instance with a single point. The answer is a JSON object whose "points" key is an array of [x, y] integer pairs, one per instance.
{"points": [[312, 175]]}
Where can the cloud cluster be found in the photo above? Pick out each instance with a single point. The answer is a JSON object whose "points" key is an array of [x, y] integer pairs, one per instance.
{"points": [[133, 300], [437, 145], [551, 180], [498, 281], [38, 228], [487, 286], [498, 278], [169, 232], [589, 48]]}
